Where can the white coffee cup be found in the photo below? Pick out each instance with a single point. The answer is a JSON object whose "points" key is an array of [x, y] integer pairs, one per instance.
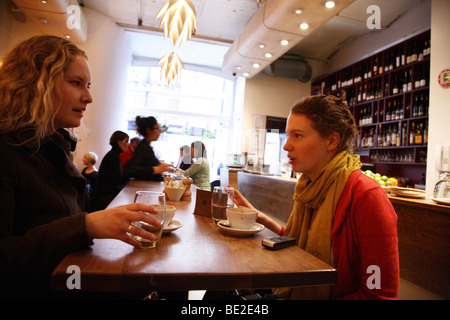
{"points": [[170, 213], [241, 218]]}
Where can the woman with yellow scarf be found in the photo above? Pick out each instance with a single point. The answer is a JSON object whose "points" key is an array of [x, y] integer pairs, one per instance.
{"points": [[340, 215]]}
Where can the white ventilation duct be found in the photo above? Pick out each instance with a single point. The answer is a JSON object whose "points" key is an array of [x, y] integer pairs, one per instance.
{"points": [[274, 21], [63, 18]]}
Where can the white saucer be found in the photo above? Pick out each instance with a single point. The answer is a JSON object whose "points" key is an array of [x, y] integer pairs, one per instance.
{"points": [[441, 201], [174, 225], [225, 225]]}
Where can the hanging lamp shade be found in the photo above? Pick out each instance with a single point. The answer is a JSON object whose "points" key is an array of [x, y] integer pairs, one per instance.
{"points": [[178, 18], [171, 66]]}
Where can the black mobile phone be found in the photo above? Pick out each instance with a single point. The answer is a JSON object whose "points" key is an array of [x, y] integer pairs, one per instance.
{"points": [[277, 243]]}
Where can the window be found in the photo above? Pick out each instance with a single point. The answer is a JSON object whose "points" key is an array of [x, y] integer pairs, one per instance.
{"points": [[200, 106]]}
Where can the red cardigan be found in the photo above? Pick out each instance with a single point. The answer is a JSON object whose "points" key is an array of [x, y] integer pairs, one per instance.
{"points": [[365, 242]]}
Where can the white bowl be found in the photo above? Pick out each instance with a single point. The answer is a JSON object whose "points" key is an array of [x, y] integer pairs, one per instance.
{"points": [[174, 194], [170, 213]]}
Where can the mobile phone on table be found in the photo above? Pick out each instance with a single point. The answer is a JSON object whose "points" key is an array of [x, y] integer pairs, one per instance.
{"points": [[277, 243]]}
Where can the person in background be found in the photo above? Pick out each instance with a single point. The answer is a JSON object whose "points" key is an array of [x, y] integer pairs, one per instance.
{"points": [[185, 160], [340, 215], [199, 170], [44, 88], [110, 180], [128, 154], [90, 172], [144, 165]]}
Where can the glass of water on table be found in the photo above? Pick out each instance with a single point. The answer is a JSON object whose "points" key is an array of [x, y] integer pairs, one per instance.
{"points": [[222, 198], [158, 201]]}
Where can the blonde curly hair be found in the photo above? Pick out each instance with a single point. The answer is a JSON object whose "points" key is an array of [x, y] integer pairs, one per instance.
{"points": [[29, 84]]}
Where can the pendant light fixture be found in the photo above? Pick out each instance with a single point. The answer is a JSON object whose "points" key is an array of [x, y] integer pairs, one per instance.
{"points": [[178, 18]]}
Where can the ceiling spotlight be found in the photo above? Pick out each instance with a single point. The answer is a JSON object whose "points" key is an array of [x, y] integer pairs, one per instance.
{"points": [[256, 65], [239, 67], [329, 4], [268, 55], [261, 46], [246, 74], [304, 26], [284, 42], [298, 11], [67, 36]]}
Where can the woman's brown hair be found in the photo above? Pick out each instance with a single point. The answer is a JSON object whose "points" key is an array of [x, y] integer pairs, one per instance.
{"points": [[329, 114]]}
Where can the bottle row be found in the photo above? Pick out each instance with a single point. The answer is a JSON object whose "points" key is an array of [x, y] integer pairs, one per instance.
{"points": [[395, 110], [394, 136], [399, 156], [405, 54], [381, 88]]}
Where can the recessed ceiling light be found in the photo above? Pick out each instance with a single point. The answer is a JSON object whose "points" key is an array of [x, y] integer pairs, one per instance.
{"points": [[268, 55], [256, 65], [261, 45], [304, 26], [298, 11], [239, 67], [284, 42], [246, 74], [67, 36], [329, 4]]}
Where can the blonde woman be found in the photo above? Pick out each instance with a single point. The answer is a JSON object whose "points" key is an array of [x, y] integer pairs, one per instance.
{"points": [[44, 88]]}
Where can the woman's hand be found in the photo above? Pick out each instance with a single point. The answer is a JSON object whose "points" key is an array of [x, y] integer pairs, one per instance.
{"points": [[262, 217], [241, 201], [162, 167], [115, 223]]}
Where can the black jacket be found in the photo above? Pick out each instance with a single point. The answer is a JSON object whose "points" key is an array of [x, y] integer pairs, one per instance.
{"points": [[140, 166], [41, 212]]}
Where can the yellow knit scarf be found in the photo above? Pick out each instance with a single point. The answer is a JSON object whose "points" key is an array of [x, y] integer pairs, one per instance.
{"points": [[320, 197]]}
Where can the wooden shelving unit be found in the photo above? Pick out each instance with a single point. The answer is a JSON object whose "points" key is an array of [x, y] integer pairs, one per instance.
{"points": [[388, 95]]}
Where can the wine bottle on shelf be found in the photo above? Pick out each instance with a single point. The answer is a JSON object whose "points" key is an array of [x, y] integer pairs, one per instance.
{"points": [[416, 107], [425, 133], [404, 136], [408, 56], [391, 61], [389, 137], [398, 58], [420, 107], [418, 139], [412, 133], [414, 54], [389, 112], [426, 49], [423, 78], [375, 66], [395, 86], [409, 80]]}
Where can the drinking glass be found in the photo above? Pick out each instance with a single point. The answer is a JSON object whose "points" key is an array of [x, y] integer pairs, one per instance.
{"points": [[157, 200], [222, 198]]}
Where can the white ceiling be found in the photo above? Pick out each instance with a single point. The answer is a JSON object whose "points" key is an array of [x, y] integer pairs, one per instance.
{"points": [[220, 22]]}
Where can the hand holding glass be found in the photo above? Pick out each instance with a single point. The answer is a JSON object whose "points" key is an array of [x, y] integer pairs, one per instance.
{"points": [[158, 201], [222, 198]]}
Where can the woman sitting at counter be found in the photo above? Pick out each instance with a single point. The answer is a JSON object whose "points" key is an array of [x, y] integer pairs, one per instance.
{"points": [[340, 215], [199, 171], [144, 165], [44, 88]]}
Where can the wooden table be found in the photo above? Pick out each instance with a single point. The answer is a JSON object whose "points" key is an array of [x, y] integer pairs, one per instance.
{"points": [[198, 256]]}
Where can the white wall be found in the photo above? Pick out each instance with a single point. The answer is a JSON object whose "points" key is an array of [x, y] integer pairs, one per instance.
{"points": [[272, 96], [108, 48], [439, 132]]}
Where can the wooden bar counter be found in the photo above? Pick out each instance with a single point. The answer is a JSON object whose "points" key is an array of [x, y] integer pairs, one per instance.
{"points": [[424, 243], [423, 228], [199, 255]]}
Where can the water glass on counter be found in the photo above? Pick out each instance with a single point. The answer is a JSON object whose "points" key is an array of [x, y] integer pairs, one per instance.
{"points": [[157, 200], [222, 198]]}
